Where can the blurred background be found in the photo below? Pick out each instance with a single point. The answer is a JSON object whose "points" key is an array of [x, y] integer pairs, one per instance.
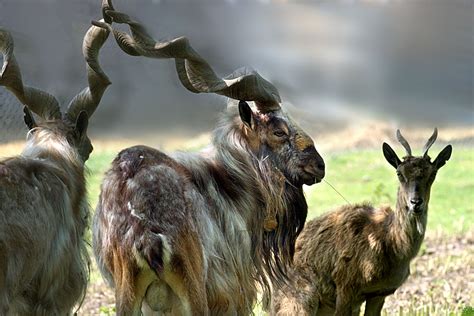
{"points": [[336, 63], [349, 72]]}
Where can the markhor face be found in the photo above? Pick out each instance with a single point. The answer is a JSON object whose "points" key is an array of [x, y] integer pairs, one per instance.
{"points": [[290, 149], [416, 175]]}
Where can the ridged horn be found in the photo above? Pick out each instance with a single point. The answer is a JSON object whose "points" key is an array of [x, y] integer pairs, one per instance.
{"points": [[430, 142], [88, 99], [194, 72], [404, 142], [38, 101]]}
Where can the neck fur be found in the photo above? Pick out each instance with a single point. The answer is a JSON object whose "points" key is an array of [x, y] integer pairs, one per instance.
{"points": [[55, 151], [263, 193], [407, 230]]}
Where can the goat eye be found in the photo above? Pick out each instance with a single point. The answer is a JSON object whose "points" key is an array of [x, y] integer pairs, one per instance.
{"points": [[279, 133]]}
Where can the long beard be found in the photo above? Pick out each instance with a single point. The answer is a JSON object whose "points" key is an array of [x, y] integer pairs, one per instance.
{"points": [[419, 227], [420, 220], [285, 206]]}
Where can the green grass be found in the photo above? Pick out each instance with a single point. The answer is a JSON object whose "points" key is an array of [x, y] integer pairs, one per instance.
{"points": [[366, 176], [97, 164]]}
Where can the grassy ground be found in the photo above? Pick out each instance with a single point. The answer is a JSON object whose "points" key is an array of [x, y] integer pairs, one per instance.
{"points": [[442, 279], [366, 176], [442, 275]]}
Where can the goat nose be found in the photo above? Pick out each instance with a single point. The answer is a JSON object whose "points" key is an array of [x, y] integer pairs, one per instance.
{"points": [[316, 169], [321, 166], [314, 163], [416, 201]]}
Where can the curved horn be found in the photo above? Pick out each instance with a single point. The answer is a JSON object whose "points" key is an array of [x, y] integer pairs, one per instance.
{"points": [[107, 6], [88, 99], [193, 71], [404, 142], [38, 101], [430, 142]]}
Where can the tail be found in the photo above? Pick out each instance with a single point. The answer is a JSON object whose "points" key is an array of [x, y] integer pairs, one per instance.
{"points": [[153, 250]]}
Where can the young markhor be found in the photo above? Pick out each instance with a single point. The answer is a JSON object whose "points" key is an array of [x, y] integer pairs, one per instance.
{"points": [[361, 253]]}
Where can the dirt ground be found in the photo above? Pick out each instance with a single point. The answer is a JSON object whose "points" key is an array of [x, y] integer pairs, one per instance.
{"points": [[442, 278], [441, 281]]}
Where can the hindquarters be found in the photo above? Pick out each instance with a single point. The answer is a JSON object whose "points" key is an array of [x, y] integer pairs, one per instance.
{"points": [[144, 236], [179, 287], [298, 297]]}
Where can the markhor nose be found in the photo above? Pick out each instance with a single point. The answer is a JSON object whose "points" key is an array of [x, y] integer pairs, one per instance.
{"points": [[315, 169], [321, 166], [416, 202]]}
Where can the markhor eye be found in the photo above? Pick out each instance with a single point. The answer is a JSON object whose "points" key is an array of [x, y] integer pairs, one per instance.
{"points": [[279, 133]]}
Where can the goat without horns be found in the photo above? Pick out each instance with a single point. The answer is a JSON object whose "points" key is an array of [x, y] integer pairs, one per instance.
{"points": [[195, 234], [43, 208], [360, 253]]}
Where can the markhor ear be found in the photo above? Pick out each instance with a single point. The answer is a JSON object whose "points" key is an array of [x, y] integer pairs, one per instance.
{"points": [[82, 122], [390, 155], [443, 156], [28, 117], [246, 114]]}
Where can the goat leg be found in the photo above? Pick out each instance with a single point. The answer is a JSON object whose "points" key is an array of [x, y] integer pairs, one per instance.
{"points": [[344, 304], [373, 306]]}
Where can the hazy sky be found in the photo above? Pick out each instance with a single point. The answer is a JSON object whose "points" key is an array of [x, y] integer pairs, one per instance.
{"points": [[400, 61]]}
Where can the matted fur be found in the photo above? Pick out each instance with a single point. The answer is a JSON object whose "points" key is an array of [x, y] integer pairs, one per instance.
{"points": [[359, 253], [186, 234], [43, 217]]}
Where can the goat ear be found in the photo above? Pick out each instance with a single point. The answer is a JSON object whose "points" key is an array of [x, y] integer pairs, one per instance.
{"points": [[28, 118], [82, 122], [443, 156], [390, 155], [246, 114]]}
